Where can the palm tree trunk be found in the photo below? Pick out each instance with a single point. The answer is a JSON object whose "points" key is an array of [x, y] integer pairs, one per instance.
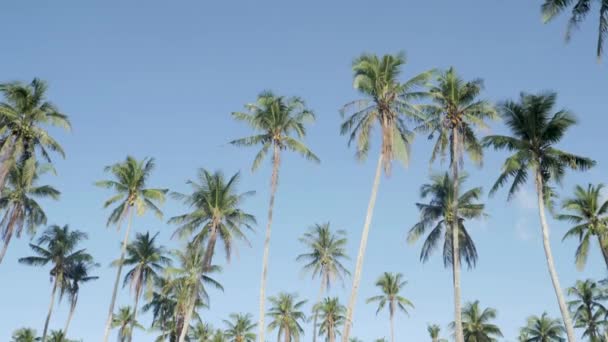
{"points": [[70, 315], [550, 263], [123, 251], [137, 295], [316, 314], [273, 189], [362, 246], [454, 159], [392, 319], [287, 335], [189, 313], [208, 257], [601, 240], [48, 315], [7, 240], [5, 167], [10, 226]]}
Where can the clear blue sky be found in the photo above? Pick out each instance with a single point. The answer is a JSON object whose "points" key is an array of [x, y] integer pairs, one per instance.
{"points": [[159, 78]]}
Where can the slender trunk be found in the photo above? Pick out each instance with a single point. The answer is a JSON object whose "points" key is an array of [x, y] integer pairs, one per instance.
{"points": [[550, 264], [48, 315], [137, 295], [601, 240], [454, 159], [208, 257], [358, 268], [392, 319], [287, 335], [273, 189], [70, 315], [188, 317], [316, 313], [123, 251], [7, 240]]}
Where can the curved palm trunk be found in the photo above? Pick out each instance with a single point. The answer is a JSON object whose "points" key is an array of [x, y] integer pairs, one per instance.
{"points": [[123, 251], [316, 314], [70, 315], [188, 317], [48, 315], [7, 240], [550, 263], [208, 257], [601, 240], [137, 295], [454, 158], [273, 189], [10, 226], [362, 246], [5, 167]]}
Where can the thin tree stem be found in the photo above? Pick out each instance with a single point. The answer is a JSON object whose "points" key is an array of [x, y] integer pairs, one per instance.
{"points": [[454, 159], [123, 251], [316, 313], [362, 246], [273, 189], [51, 305], [549, 256], [70, 315]]}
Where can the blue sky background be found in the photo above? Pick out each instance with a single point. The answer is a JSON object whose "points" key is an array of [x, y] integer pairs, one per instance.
{"points": [[158, 78]]}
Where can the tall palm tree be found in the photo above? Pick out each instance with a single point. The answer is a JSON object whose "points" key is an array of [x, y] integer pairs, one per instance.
{"points": [[287, 315], [59, 247], [192, 275], [24, 118], [276, 120], [125, 321], [132, 196], [239, 328], [543, 329], [78, 273], [434, 331], [454, 115], [332, 315], [387, 103], [18, 200], [535, 132], [201, 332], [24, 335], [580, 9], [391, 285], [476, 324], [588, 311], [216, 212], [590, 216], [437, 216], [324, 257], [148, 260]]}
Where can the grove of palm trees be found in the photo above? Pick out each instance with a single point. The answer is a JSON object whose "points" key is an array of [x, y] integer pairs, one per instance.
{"points": [[355, 172]]}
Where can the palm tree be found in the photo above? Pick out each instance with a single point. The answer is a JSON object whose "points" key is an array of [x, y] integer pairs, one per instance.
{"points": [[240, 328], [24, 118], [78, 274], [434, 331], [18, 200], [58, 246], [276, 120], [147, 260], [201, 332], [535, 131], [24, 335], [391, 284], [286, 314], [59, 336], [543, 329], [580, 10], [588, 311], [437, 217], [216, 212], [192, 275], [386, 103], [476, 324], [332, 315], [132, 195], [453, 116], [590, 216], [125, 321], [325, 254], [162, 301], [219, 336]]}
